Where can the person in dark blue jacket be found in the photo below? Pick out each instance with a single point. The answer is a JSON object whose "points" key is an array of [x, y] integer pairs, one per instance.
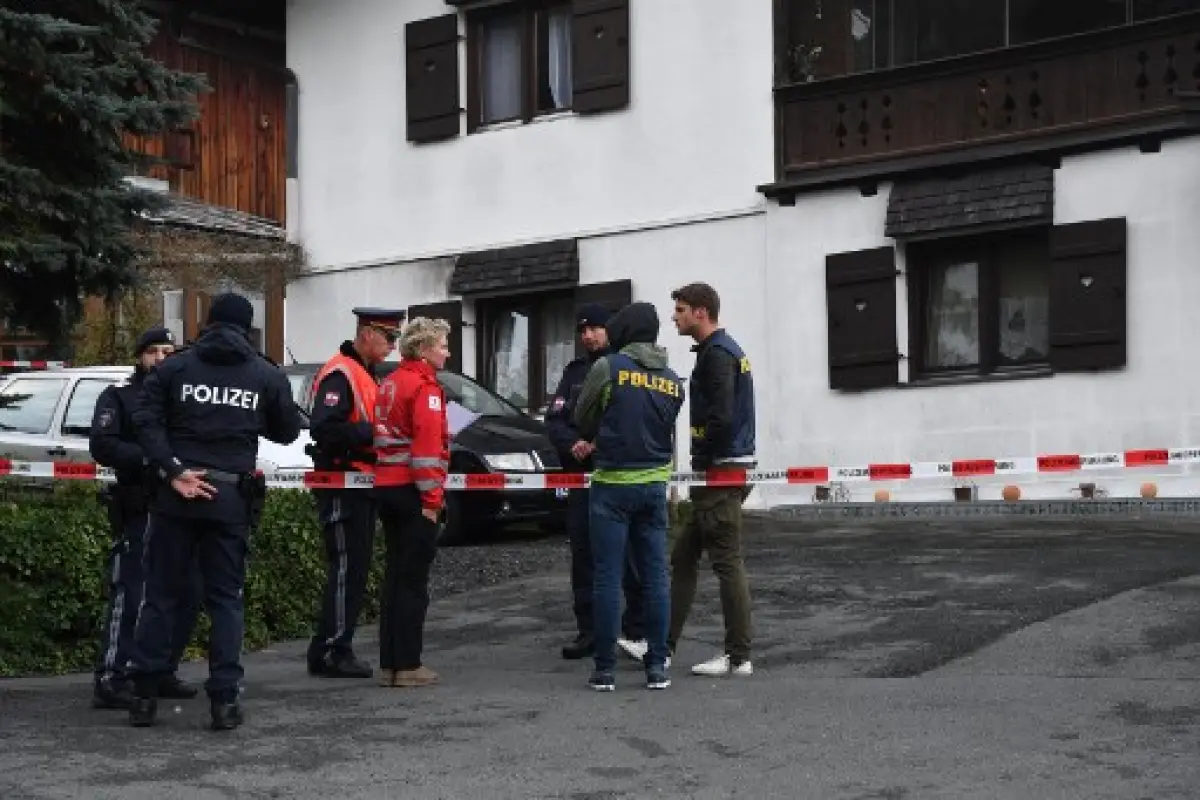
{"points": [[199, 417], [113, 443], [563, 433]]}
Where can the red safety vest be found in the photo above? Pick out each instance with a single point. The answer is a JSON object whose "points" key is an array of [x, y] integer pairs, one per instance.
{"points": [[365, 390]]}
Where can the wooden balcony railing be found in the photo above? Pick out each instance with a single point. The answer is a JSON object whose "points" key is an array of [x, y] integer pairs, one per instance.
{"points": [[1116, 82]]}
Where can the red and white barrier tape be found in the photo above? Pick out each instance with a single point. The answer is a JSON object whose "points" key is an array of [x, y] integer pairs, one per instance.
{"points": [[960, 470], [33, 364]]}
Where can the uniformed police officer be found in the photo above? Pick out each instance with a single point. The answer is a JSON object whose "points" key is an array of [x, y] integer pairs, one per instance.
{"points": [[563, 433], [627, 407], [722, 436], [342, 428], [199, 418], [113, 443]]}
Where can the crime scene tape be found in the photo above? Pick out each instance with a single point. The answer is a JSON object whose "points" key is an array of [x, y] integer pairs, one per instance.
{"points": [[33, 364], [813, 475]]}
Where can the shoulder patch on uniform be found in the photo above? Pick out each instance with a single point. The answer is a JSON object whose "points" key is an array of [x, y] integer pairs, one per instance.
{"points": [[558, 403], [435, 403], [332, 398], [106, 418]]}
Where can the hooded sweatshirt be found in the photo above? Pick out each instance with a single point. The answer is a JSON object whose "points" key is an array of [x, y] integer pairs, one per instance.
{"points": [[632, 331]]}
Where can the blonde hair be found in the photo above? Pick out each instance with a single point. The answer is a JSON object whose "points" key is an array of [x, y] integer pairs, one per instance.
{"points": [[420, 333]]}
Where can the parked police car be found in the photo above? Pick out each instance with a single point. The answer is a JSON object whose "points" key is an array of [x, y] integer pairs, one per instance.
{"points": [[500, 439]]}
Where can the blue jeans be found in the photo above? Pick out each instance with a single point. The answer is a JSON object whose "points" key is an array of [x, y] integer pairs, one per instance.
{"points": [[633, 516]]}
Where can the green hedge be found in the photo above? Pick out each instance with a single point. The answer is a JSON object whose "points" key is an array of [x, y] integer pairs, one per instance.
{"points": [[53, 547]]}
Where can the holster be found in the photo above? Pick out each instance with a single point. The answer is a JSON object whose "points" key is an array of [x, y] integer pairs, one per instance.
{"points": [[253, 489]]}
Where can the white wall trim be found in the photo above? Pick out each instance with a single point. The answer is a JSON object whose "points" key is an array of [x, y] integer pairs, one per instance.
{"points": [[595, 233]]}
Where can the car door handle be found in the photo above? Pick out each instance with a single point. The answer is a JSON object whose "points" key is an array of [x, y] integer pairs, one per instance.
{"points": [[57, 451]]}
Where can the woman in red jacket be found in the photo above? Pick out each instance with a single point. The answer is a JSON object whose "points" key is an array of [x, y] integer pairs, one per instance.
{"points": [[412, 446]]}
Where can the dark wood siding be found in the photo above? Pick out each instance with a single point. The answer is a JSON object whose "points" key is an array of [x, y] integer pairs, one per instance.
{"points": [[600, 54], [861, 309], [431, 78], [1087, 295], [451, 311], [614, 295]]}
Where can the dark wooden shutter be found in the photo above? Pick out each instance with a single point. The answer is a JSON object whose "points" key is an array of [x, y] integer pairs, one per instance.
{"points": [[431, 78], [1087, 295], [600, 55], [861, 308], [615, 295], [451, 311]]}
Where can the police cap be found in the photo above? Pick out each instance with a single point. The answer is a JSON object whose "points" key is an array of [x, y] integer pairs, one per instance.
{"points": [[592, 315], [158, 335], [387, 320]]}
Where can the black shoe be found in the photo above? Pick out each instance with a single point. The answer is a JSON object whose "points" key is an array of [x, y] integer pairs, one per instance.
{"points": [[583, 647], [317, 655], [112, 694], [226, 716], [143, 712], [172, 688], [346, 665]]}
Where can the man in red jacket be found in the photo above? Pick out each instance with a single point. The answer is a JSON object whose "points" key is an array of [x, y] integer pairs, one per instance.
{"points": [[412, 446]]}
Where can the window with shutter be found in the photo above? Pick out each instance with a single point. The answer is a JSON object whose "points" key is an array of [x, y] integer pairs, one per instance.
{"points": [[431, 78], [600, 54], [861, 310], [1087, 295], [613, 295], [451, 311]]}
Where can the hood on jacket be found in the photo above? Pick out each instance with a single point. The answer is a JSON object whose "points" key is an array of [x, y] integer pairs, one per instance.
{"points": [[633, 331], [223, 343]]}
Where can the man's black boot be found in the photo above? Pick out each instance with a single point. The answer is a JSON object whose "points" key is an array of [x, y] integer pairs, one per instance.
{"points": [[583, 647], [226, 716], [172, 688], [346, 665], [143, 712], [316, 657], [109, 693]]}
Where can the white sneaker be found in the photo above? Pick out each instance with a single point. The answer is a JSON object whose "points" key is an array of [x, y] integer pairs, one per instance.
{"points": [[721, 665], [637, 649]]}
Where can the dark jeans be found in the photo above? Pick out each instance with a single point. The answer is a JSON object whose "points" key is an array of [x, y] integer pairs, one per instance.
{"points": [[126, 587], [716, 527], [411, 544], [630, 519], [174, 548], [583, 572], [348, 521]]}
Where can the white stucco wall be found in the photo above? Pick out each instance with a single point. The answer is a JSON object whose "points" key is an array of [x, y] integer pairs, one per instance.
{"points": [[1152, 403], [695, 140]]}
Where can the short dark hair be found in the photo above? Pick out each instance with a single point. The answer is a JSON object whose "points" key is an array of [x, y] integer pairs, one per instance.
{"points": [[699, 295]]}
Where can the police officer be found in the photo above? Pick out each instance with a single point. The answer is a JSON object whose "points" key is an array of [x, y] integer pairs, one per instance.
{"points": [[563, 433], [342, 428], [113, 443], [199, 417], [627, 407]]}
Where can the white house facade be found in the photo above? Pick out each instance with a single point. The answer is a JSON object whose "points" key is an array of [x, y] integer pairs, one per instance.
{"points": [[939, 238]]}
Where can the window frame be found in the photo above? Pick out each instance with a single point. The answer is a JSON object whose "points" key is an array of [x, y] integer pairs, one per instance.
{"points": [[922, 258], [63, 428], [489, 311], [61, 383], [527, 13]]}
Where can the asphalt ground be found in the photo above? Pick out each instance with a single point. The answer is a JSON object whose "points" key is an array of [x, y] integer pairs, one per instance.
{"points": [[898, 659]]}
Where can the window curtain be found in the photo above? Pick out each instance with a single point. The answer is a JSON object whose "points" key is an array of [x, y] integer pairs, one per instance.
{"points": [[501, 70], [953, 317], [558, 346], [510, 365], [559, 52]]}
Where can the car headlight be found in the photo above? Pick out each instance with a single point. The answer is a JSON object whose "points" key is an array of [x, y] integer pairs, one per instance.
{"points": [[511, 462]]}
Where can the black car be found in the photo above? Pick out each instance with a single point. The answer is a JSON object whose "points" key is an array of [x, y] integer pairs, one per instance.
{"points": [[502, 439]]}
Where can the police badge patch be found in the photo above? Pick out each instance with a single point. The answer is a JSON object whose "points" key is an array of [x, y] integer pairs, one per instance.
{"points": [[332, 398], [106, 418], [558, 403]]}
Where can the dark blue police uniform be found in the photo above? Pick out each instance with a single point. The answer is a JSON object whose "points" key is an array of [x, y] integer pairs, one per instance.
{"points": [[113, 443], [563, 434], [204, 409]]}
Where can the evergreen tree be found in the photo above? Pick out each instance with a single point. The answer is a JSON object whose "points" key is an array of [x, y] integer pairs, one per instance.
{"points": [[74, 80]]}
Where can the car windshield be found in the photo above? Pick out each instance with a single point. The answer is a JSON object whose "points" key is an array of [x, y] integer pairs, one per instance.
{"points": [[474, 397]]}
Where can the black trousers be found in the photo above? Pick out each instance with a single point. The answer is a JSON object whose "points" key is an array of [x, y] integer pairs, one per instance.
{"points": [[175, 546], [411, 542], [583, 572], [348, 521], [126, 588]]}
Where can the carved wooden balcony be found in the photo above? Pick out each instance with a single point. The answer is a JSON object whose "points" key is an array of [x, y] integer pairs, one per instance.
{"points": [[1130, 83]]}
